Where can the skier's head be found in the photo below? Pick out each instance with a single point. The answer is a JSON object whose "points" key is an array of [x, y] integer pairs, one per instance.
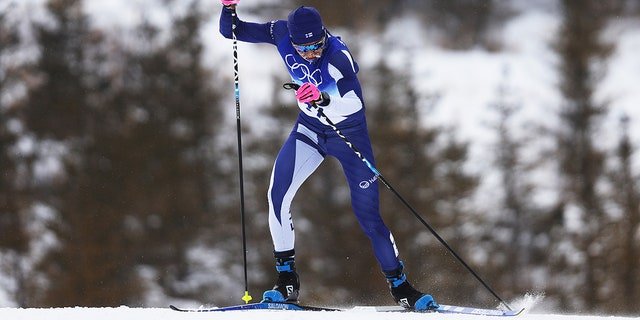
{"points": [[307, 32]]}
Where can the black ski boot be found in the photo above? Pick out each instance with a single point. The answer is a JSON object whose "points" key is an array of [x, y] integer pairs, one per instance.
{"points": [[287, 288], [405, 294]]}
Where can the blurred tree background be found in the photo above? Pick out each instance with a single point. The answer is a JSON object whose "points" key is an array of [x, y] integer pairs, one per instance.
{"points": [[119, 176]]}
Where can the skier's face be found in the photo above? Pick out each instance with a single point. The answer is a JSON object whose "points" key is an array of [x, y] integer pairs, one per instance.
{"points": [[311, 51]]}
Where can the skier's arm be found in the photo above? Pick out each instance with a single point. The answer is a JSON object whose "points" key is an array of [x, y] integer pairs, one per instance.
{"points": [[246, 31], [347, 100]]}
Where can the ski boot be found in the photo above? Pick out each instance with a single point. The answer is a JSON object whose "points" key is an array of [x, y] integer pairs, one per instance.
{"points": [[406, 295], [287, 286]]}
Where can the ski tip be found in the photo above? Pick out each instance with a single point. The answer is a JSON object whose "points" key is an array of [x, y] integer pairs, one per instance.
{"points": [[175, 308], [519, 312], [512, 313]]}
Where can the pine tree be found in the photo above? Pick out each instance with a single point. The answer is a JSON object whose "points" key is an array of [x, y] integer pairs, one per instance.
{"points": [[517, 222], [625, 252], [13, 236], [88, 266], [581, 161], [11, 229], [185, 117], [159, 147]]}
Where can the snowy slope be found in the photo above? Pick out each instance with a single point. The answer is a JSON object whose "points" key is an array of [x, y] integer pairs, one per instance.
{"points": [[534, 310], [124, 313]]}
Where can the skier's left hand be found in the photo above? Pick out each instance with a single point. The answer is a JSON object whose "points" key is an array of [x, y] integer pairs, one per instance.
{"points": [[308, 93], [228, 3]]}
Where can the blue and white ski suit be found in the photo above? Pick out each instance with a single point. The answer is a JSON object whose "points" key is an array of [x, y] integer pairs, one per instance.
{"points": [[312, 139]]}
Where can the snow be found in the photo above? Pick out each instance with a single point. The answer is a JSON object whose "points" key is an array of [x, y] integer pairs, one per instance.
{"points": [[126, 313], [532, 303]]}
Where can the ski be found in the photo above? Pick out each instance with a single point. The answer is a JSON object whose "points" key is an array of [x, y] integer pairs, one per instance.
{"points": [[296, 307], [258, 306], [443, 308]]}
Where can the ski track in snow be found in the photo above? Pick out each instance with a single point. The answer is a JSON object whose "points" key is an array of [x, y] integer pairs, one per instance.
{"points": [[126, 313]]}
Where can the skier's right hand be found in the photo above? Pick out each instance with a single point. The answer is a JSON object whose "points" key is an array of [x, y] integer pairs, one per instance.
{"points": [[308, 93], [228, 3]]}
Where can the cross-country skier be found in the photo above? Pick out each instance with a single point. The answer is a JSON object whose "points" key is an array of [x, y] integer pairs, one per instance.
{"points": [[326, 72]]}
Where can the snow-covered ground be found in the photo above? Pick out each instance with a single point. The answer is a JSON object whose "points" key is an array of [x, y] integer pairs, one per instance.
{"points": [[125, 313], [533, 304]]}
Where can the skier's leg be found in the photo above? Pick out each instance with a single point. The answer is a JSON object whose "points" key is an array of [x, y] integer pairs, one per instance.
{"points": [[298, 158], [365, 195], [364, 200]]}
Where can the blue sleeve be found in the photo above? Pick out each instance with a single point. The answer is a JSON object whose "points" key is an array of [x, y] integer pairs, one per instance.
{"points": [[247, 31]]}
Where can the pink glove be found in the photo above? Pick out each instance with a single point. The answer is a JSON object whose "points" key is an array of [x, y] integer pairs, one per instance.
{"points": [[308, 93], [229, 2]]}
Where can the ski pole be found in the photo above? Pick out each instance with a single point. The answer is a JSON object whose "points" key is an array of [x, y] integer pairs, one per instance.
{"points": [[246, 297], [294, 86]]}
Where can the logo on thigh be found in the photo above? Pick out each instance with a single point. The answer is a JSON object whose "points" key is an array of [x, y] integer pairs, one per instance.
{"points": [[365, 184]]}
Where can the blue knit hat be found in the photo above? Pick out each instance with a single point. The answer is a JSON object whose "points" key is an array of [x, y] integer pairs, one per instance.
{"points": [[305, 25]]}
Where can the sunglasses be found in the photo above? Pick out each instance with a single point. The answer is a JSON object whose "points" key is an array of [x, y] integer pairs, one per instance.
{"points": [[309, 47]]}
